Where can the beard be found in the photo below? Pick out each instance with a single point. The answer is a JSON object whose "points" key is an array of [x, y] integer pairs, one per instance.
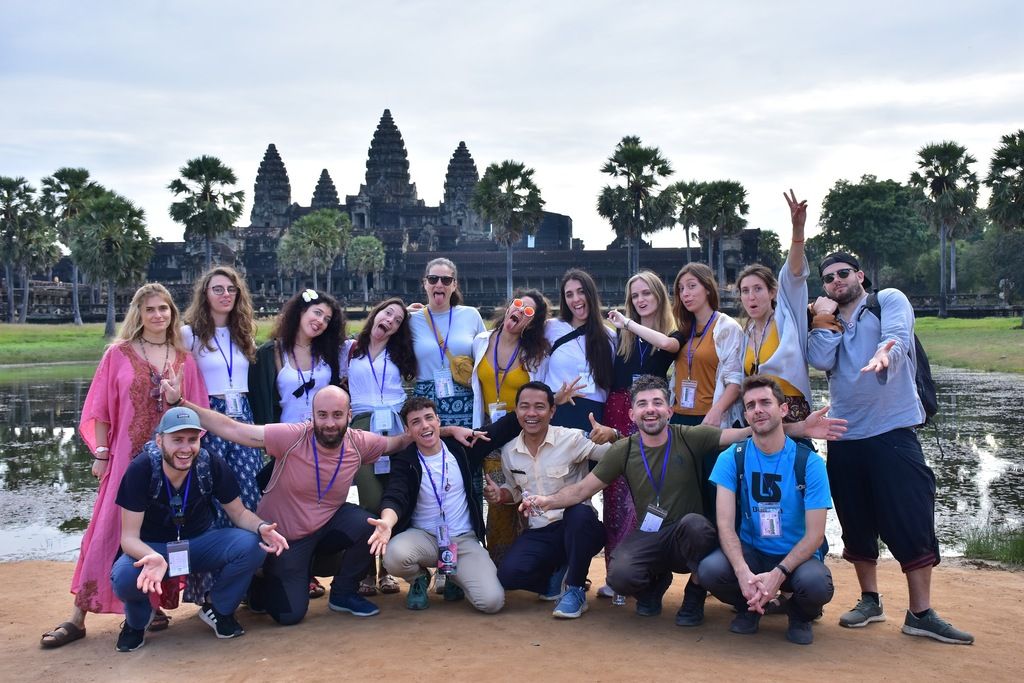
{"points": [[853, 292], [329, 439], [767, 428], [651, 430]]}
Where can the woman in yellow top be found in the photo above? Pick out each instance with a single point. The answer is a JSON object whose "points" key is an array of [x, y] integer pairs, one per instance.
{"points": [[505, 358]]}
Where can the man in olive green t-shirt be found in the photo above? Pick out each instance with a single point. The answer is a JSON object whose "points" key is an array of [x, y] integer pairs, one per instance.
{"points": [[673, 536]]}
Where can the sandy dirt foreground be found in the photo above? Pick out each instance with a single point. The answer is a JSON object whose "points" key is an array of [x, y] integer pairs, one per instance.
{"points": [[453, 642]]}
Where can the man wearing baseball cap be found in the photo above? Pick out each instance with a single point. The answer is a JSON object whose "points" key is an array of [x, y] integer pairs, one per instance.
{"points": [[881, 485], [166, 499]]}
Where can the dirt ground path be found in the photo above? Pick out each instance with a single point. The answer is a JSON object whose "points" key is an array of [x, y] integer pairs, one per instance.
{"points": [[452, 642]]}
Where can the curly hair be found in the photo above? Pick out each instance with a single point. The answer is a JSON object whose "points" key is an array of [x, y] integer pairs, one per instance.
{"points": [[456, 299], [535, 346], [684, 319], [326, 345], [399, 345], [599, 354], [132, 327], [241, 320], [664, 324], [770, 281]]}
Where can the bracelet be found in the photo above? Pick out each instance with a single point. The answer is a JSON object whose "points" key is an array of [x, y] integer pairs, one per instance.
{"points": [[181, 399], [782, 568], [102, 449], [797, 241], [100, 459], [260, 526]]}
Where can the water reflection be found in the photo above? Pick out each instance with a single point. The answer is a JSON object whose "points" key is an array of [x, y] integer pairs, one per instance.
{"points": [[47, 490]]}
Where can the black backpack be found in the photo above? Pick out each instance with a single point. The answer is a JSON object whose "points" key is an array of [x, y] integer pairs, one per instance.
{"points": [[803, 451], [922, 374]]}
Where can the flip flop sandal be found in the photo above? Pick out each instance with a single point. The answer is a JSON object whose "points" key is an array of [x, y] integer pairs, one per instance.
{"points": [[160, 622], [389, 585], [366, 588], [316, 590], [61, 635]]}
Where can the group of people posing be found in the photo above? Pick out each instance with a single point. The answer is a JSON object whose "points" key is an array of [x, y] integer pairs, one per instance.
{"points": [[428, 412]]}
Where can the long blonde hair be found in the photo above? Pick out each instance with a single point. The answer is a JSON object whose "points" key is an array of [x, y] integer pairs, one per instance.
{"points": [[665, 322], [241, 321], [131, 328]]}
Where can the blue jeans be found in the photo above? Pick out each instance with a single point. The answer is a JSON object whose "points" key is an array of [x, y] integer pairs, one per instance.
{"points": [[232, 555], [537, 553]]}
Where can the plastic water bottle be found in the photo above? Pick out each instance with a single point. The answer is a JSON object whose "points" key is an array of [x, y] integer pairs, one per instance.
{"points": [[531, 509]]}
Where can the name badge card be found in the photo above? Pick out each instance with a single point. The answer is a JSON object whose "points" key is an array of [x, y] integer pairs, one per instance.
{"points": [[586, 383], [653, 519], [233, 404], [382, 465], [448, 559], [496, 410], [688, 394], [444, 385], [770, 520], [177, 558], [382, 420]]}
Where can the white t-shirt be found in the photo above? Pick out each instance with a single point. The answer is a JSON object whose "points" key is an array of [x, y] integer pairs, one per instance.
{"points": [[214, 364], [466, 323], [570, 358], [299, 408], [366, 378], [427, 515]]}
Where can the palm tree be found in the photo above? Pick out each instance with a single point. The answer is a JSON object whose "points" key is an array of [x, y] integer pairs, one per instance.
{"points": [[951, 196], [365, 255], [510, 201], [640, 167], [723, 205], [65, 194], [292, 258], [318, 239], [111, 239], [689, 194], [19, 217], [1006, 180], [209, 208]]}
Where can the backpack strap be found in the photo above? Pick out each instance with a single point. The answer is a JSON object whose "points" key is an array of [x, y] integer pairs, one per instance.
{"points": [[567, 337], [742, 511], [201, 466], [803, 451]]}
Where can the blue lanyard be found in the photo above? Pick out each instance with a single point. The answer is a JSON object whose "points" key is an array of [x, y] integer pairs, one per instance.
{"points": [[316, 466], [383, 374], [503, 371], [640, 348], [178, 513], [444, 470], [664, 468], [689, 345], [231, 355], [441, 348]]}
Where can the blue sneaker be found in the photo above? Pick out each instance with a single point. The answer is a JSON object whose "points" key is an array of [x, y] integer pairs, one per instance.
{"points": [[353, 603], [573, 603], [556, 585]]}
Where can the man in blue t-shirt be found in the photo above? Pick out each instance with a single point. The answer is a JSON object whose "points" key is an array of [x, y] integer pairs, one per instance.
{"points": [[166, 500], [780, 527]]}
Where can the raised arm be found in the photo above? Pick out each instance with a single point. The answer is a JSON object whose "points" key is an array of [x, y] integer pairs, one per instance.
{"points": [[212, 421], [798, 216]]}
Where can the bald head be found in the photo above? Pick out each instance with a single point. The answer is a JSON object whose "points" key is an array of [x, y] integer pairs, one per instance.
{"points": [[331, 398], [331, 411]]}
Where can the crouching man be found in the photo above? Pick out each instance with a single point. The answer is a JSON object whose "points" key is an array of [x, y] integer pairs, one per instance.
{"points": [[166, 497], [779, 490]]}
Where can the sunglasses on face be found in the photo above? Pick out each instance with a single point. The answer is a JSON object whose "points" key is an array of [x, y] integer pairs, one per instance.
{"points": [[220, 289], [528, 311], [446, 280], [842, 274]]}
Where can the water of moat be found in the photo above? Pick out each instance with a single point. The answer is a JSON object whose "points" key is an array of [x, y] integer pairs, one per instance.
{"points": [[47, 491]]}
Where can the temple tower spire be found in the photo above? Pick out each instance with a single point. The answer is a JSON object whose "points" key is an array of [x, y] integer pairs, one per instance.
{"points": [[272, 194], [387, 165], [459, 183], [325, 196]]}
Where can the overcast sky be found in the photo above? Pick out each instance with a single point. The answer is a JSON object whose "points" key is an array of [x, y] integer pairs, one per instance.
{"points": [[774, 95]]}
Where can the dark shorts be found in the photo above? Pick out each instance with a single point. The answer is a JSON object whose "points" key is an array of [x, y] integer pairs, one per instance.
{"points": [[882, 488]]}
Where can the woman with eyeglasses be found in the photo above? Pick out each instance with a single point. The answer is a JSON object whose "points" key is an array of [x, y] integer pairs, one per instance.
{"points": [[582, 352], [377, 362], [648, 344], [775, 328], [505, 358], [120, 413], [220, 332]]}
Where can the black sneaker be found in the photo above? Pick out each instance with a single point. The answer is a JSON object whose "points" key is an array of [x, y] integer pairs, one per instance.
{"points": [[224, 625], [691, 613], [648, 602], [131, 639]]}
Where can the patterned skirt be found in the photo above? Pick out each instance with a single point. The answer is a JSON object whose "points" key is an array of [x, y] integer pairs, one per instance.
{"points": [[456, 410], [619, 512], [245, 462]]}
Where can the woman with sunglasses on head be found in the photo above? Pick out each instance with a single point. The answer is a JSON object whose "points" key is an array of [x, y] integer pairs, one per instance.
{"points": [[220, 332], [775, 329], [582, 351], [648, 344], [120, 413], [377, 362], [505, 358]]}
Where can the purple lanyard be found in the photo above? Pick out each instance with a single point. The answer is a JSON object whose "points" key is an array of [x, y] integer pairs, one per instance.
{"points": [[497, 367], [440, 347], [664, 468], [179, 513], [231, 355], [689, 345], [316, 466], [444, 470], [383, 374]]}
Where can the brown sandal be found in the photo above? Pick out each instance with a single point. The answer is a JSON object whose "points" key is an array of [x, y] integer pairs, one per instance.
{"points": [[61, 635], [388, 585], [316, 590], [161, 620]]}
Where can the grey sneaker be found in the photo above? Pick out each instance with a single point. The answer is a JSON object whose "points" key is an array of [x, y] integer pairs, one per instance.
{"points": [[932, 625], [866, 611]]}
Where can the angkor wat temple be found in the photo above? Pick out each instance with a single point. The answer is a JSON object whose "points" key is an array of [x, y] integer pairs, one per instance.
{"points": [[388, 206]]}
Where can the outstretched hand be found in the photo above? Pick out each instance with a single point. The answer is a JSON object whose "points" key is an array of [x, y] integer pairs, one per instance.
{"points": [[270, 540], [153, 568], [819, 425], [880, 361], [378, 540], [568, 391]]}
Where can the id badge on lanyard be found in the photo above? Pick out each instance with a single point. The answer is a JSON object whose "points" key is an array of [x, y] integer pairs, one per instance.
{"points": [[177, 558], [233, 403], [447, 552], [444, 385], [653, 519], [382, 420], [496, 410], [382, 465], [688, 394], [769, 520], [586, 385]]}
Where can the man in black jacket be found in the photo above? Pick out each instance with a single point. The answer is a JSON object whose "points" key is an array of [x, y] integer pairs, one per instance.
{"points": [[439, 522]]}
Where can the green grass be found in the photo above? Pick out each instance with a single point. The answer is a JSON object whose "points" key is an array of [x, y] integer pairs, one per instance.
{"points": [[991, 344], [993, 543]]}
